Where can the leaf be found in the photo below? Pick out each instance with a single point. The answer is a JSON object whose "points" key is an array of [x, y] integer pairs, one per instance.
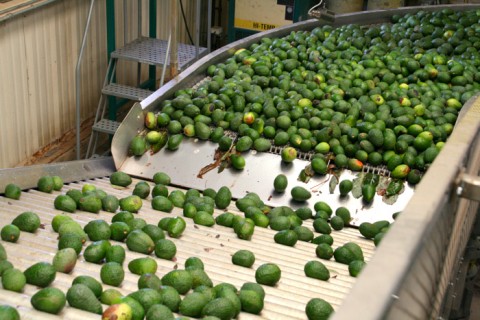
{"points": [[303, 176], [382, 185], [392, 199], [306, 174], [357, 185], [333, 183]]}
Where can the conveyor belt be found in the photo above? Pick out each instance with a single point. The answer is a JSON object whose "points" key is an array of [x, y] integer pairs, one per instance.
{"points": [[213, 245]]}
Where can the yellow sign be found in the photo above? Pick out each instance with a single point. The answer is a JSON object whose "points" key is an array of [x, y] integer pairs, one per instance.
{"points": [[254, 25], [260, 15]]}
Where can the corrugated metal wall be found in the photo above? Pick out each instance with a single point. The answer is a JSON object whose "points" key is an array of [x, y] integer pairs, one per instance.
{"points": [[38, 54]]}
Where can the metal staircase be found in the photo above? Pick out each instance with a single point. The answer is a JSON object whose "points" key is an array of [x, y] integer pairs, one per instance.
{"points": [[143, 50]]}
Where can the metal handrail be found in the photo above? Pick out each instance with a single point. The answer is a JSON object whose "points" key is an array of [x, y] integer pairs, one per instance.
{"points": [[77, 78]]}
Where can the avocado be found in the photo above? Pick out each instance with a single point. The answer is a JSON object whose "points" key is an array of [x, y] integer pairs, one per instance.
{"points": [[244, 144], [202, 131], [174, 141], [150, 120], [110, 203], [192, 304], [50, 300], [45, 184], [321, 226], [139, 241], [138, 313], [72, 227], [64, 260], [10, 233], [345, 187], [141, 266], [120, 178], [27, 221], [199, 278], [300, 194], [149, 280], [368, 230], [97, 230], [177, 197], [40, 274], [95, 252], [8, 312], [286, 237], [136, 223], [142, 189], [161, 178], [368, 192], [110, 297], [13, 280], [65, 203], [93, 284], [81, 297], [343, 213], [119, 231], [75, 195], [175, 227], [223, 197], [262, 144], [112, 274], [12, 191], [181, 280], [123, 216], [138, 146], [348, 253], [337, 223], [131, 203], [280, 183], [146, 297], [115, 253], [156, 233], [225, 219], [3, 253], [71, 240], [57, 183], [5, 265], [90, 203]]}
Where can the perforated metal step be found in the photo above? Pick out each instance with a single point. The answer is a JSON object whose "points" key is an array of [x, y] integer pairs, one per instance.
{"points": [[106, 126], [127, 92], [152, 51]]}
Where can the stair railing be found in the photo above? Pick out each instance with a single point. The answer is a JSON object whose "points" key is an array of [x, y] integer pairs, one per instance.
{"points": [[77, 78]]}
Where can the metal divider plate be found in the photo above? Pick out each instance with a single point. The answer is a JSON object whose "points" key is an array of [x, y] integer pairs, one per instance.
{"points": [[184, 165]]}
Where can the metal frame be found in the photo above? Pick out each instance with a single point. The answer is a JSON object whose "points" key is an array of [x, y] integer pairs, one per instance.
{"points": [[27, 177]]}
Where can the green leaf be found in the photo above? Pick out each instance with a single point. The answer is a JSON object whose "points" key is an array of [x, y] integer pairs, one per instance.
{"points": [[357, 185], [333, 183], [306, 174]]}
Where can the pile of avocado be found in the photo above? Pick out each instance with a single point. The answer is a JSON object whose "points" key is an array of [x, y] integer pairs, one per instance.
{"points": [[384, 95]]}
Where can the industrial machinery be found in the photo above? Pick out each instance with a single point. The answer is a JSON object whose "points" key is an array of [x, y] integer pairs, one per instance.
{"points": [[247, 17], [422, 270]]}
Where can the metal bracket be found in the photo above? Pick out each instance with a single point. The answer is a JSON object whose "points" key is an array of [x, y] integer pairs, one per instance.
{"points": [[320, 12], [469, 187]]}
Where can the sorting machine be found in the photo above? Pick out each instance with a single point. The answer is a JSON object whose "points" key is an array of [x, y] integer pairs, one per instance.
{"points": [[424, 268]]}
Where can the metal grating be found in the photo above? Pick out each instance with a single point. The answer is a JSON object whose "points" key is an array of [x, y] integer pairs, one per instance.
{"points": [[152, 51], [127, 92], [213, 245], [106, 126]]}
